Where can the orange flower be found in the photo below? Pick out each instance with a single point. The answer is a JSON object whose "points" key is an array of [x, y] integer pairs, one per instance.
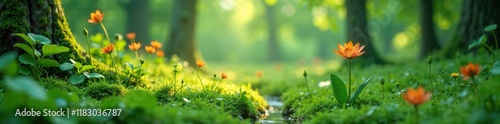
{"points": [[470, 70], [156, 44], [134, 46], [349, 51], [259, 74], [223, 75], [150, 49], [108, 49], [131, 35], [416, 97], [200, 63], [160, 53], [96, 17]]}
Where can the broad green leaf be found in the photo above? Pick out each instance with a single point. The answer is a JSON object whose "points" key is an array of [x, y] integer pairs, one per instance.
{"points": [[66, 66], [24, 70], [39, 38], [358, 91], [339, 90], [478, 42], [490, 28], [25, 47], [51, 49], [48, 63], [76, 79], [86, 67], [26, 85], [26, 59], [60, 97], [25, 38], [140, 99], [131, 66], [93, 75], [8, 64], [495, 70], [37, 53], [78, 65]]}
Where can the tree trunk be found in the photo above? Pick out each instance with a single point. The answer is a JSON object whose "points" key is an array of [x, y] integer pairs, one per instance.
{"points": [[273, 49], [181, 40], [357, 29], [428, 42], [475, 15], [138, 19], [43, 17]]}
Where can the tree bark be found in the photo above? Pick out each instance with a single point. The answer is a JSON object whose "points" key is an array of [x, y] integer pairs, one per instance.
{"points": [[138, 19], [43, 17], [181, 40], [273, 48], [357, 29], [475, 16], [428, 43]]}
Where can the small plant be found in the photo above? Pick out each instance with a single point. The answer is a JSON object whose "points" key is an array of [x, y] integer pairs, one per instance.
{"points": [[305, 79], [33, 58], [416, 98], [481, 41], [81, 71], [471, 71], [200, 64], [348, 51], [135, 71], [222, 77]]}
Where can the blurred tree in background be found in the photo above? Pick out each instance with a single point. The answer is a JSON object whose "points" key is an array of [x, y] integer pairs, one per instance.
{"points": [[181, 38], [138, 18]]}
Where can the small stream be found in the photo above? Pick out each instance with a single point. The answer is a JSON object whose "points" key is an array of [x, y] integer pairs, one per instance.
{"points": [[274, 112]]}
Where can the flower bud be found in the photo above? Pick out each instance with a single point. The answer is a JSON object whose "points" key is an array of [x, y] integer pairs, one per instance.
{"points": [[305, 73], [215, 75], [85, 32], [142, 61], [382, 81], [429, 60], [397, 84], [118, 37]]}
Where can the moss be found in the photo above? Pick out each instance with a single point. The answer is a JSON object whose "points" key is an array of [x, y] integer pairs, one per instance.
{"points": [[102, 90], [164, 95], [13, 15], [53, 82]]}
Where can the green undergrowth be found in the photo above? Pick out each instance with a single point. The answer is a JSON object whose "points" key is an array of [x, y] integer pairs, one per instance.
{"points": [[164, 95], [452, 101]]}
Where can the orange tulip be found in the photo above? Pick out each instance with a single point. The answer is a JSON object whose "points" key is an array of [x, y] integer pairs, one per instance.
{"points": [[108, 49], [150, 49], [131, 35], [223, 75], [416, 97], [200, 63], [134, 46], [96, 17], [160, 53], [259, 74], [349, 51], [156, 44], [470, 70]]}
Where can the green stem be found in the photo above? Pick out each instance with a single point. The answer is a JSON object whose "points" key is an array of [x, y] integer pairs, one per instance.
{"points": [[416, 115], [349, 63], [88, 46], [137, 57], [307, 86], [474, 84], [430, 75], [105, 32], [116, 69], [217, 85], [213, 83], [199, 78]]}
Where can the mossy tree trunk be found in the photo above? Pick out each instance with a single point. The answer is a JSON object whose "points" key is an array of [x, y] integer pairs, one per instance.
{"points": [[181, 39], [357, 29], [428, 43], [475, 15], [43, 17]]}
